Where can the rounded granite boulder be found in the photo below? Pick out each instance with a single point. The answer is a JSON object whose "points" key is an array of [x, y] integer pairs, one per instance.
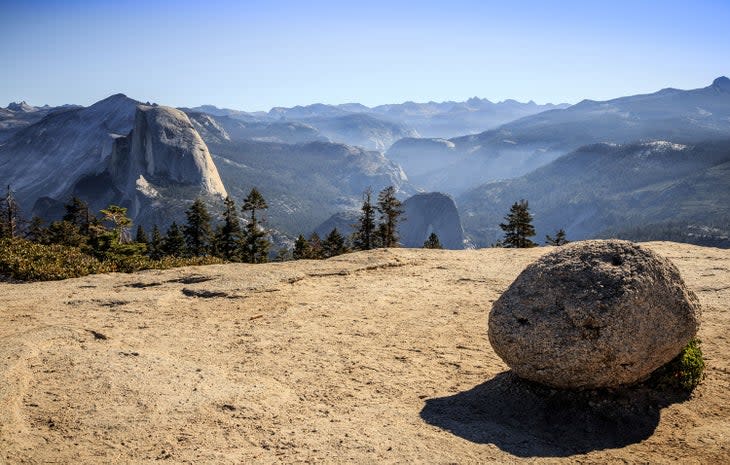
{"points": [[593, 314]]}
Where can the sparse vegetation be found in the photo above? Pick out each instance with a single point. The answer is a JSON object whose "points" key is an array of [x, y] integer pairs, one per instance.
{"points": [[559, 239], [23, 260], [685, 371], [518, 229], [432, 242]]}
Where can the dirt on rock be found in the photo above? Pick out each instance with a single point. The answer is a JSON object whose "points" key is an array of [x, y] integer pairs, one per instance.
{"points": [[370, 357]]}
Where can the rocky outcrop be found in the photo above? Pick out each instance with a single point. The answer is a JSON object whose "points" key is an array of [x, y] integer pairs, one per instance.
{"points": [[593, 314], [163, 148], [48, 157], [428, 213]]}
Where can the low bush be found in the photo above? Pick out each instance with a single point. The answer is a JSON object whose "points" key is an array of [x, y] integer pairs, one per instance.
{"points": [[685, 371], [28, 261], [24, 260]]}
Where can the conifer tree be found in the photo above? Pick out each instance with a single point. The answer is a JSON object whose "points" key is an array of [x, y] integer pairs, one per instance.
{"points": [[255, 244], [174, 242], [9, 215], [197, 231], [120, 222], [229, 237], [364, 236], [334, 244], [36, 231], [65, 233], [301, 249], [559, 239], [141, 236], [155, 246], [316, 250], [432, 242], [78, 213], [390, 211], [518, 229]]}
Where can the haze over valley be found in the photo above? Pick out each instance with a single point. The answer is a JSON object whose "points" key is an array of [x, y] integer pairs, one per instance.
{"points": [[619, 167]]}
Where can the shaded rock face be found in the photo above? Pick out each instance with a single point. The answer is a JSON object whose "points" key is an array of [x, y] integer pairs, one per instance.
{"points": [[164, 148], [46, 158], [593, 314], [428, 213]]}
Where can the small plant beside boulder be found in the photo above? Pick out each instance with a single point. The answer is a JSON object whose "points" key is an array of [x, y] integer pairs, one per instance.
{"points": [[684, 372]]}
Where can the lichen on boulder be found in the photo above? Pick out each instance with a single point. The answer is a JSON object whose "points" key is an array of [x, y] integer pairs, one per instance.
{"points": [[593, 314]]}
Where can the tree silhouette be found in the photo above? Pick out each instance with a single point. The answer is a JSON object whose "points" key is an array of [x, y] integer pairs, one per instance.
{"points": [[558, 240], [432, 242], [301, 249], [364, 236], [174, 242], [390, 211], [255, 245], [155, 246], [9, 215], [518, 229], [197, 231], [334, 244], [229, 238]]}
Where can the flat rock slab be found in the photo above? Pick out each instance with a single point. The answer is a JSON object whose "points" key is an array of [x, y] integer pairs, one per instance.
{"points": [[375, 357]]}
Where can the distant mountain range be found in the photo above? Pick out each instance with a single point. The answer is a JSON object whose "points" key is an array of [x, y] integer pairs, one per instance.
{"points": [[18, 115], [643, 190], [644, 166], [377, 128], [518, 147], [155, 160]]}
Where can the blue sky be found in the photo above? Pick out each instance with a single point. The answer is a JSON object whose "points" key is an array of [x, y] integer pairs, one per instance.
{"points": [[253, 55]]}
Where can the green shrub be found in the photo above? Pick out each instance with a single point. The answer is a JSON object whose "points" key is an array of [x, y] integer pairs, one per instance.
{"points": [[28, 261], [23, 260], [685, 371]]}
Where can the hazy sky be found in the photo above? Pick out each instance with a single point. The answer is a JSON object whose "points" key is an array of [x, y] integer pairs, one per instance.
{"points": [[253, 55]]}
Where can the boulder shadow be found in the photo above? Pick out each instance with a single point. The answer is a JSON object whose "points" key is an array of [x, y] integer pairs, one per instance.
{"points": [[526, 419]]}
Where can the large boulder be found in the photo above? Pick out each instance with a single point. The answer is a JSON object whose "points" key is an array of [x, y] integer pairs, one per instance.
{"points": [[593, 314]]}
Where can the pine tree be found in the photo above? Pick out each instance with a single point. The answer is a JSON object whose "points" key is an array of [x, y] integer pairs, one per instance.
{"points": [[316, 250], [255, 245], [78, 213], [229, 237], [141, 236], [9, 215], [120, 222], [197, 231], [364, 236], [301, 249], [390, 211], [174, 242], [155, 246], [558, 240], [65, 233], [432, 242], [518, 229], [334, 244], [36, 232]]}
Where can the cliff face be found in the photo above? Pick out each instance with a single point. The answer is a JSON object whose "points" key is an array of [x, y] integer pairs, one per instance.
{"points": [[46, 158], [164, 148]]}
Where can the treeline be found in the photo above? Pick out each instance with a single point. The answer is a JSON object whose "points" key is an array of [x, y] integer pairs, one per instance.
{"points": [[376, 227], [83, 242], [518, 229]]}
